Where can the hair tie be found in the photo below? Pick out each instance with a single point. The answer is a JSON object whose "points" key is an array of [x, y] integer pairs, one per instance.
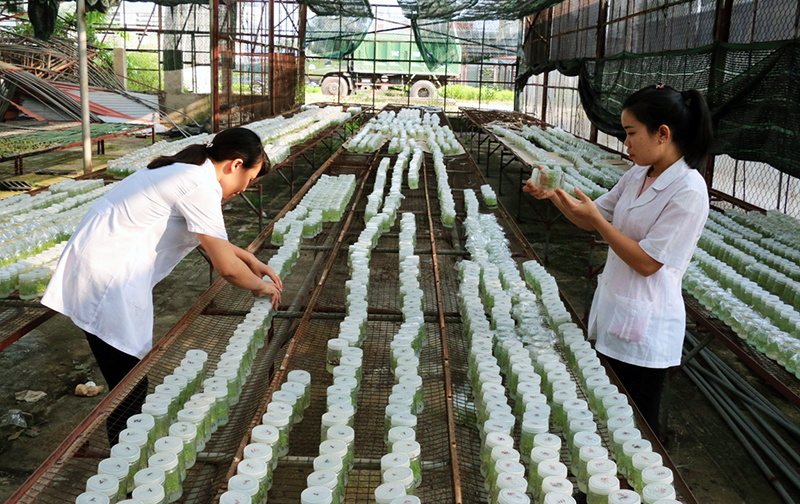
{"points": [[209, 145], [659, 86]]}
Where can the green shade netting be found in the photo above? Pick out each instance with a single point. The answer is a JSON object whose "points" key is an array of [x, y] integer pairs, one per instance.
{"points": [[473, 10], [445, 42], [753, 91], [335, 37], [351, 8]]}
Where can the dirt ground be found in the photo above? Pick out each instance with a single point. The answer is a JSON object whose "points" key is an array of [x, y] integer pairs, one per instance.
{"points": [[55, 357]]}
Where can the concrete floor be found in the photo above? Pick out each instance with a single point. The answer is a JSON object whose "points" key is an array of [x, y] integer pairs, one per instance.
{"points": [[55, 357]]}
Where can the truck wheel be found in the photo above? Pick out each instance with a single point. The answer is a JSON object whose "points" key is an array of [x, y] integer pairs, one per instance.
{"points": [[423, 89], [334, 86]]}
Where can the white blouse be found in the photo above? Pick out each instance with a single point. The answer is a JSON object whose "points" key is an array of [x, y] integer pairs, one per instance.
{"points": [[636, 319], [129, 241]]}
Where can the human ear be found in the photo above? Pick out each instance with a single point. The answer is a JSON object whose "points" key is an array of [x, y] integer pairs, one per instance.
{"points": [[664, 133]]}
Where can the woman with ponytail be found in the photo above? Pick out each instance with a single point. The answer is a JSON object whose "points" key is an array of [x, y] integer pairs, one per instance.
{"points": [[652, 220], [137, 233]]}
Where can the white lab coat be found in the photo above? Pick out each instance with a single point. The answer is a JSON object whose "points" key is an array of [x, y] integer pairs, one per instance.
{"points": [[130, 240], [636, 319]]}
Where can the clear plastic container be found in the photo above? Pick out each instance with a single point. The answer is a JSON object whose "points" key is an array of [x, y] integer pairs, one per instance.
{"points": [[587, 454], [546, 469], [334, 354], [400, 475], [413, 451], [338, 448], [657, 492], [629, 449], [316, 495], [639, 462], [387, 492], [137, 437], [600, 487], [168, 462], [326, 479], [131, 454], [105, 484], [246, 485], [149, 476], [160, 413], [259, 470], [150, 494], [196, 418], [221, 410], [119, 469], [174, 444], [281, 422], [332, 464], [267, 435]]}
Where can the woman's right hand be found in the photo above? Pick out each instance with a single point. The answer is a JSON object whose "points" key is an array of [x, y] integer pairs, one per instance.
{"points": [[537, 193], [269, 289]]}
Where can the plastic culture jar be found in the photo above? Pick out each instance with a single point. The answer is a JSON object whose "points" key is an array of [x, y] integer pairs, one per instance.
{"points": [[547, 440], [245, 484], [529, 429], [508, 481], [197, 365], [149, 476], [168, 462], [629, 449], [493, 440], [402, 476], [619, 438], [338, 448], [400, 434], [137, 437], [258, 470], [262, 452], [499, 453], [105, 484], [149, 494], [657, 493], [656, 475], [580, 440], [300, 390], [387, 492], [92, 498], [116, 468], [330, 419], [548, 469], [394, 460], [587, 454], [599, 394], [220, 407], [334, 354], [131, 454], [281, 422], [192, 376], [187, 433], [290, 398], [639, 462], [326, 479], [160, 413], [624, 497], [620, 422], [556, 484], [509, 496], [316, 495], [412, 450], [333, 464], [600, 487], [195, 417], [232, 497], [231, 376], [415, 382]]}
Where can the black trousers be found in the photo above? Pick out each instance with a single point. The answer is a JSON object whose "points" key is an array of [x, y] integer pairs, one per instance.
{"points": [[644, 386], [115, 365]]}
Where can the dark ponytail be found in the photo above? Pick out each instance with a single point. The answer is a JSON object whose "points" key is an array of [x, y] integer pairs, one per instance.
{"points": [[234, 143], [686, 114]]}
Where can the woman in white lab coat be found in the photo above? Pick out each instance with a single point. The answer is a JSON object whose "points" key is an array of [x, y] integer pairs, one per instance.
{"points": [[137, 233], [652, 220]]}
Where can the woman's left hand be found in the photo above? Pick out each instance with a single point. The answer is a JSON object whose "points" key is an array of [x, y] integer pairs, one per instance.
{"points": [[581, 209], [263, 270]]}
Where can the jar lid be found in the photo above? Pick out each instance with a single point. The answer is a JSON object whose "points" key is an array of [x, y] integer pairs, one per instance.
{"points": [[558, 498], [295, 388], [316, 495], [192, 364], [619, 422], [512, 482], [547, 440], [556, 484], [337, 344], [387, 492], [339, 390], [328, 463], [333, 447], [204, 397], [245, 484], [149, 494], [178, 381], [499, 439], [280, 407], [103, 483], [509, 496], [406, 499], [215, 381], [564, 385], [622, 435], [234, 497], [402, 399], [284, 396], [401, 434], [602, 484], [620, 410], [352, 352], [126, 451], [410, 448], [593, 382], [562, 396], [614, 400], [92, 498], [163, 460], [586, 439], [133, 435], [327, 479], [404, 420], [411, 380], [228, 373], [267, 434], [155, 408], [590, 452], [551, 468], [624, 497], [658, 474], [194, 416], [655, 492], [275, 418], [258, 451], [543, 454], [187, 372], [184, 430], [401, 475], [392, 460], [643, 459], [329, 419], [504, 453], [509, 466], [149, 476], [633, 446], [342, 432], [171, 444], [343, 409], [528, 387], [113, 466], [173, 391], [299, 376], [254, 468], [197, 354], [143, 421], [344, 371]]}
